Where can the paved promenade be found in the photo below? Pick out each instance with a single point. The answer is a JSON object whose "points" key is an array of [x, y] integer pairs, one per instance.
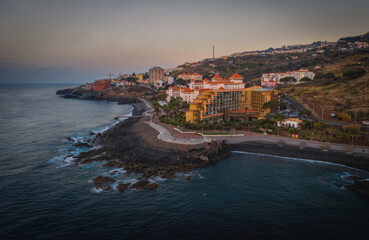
{"points": [[166, 136]]}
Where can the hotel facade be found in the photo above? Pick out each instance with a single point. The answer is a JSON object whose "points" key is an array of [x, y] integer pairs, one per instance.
{"points": [[220, 99], [223, 104]]}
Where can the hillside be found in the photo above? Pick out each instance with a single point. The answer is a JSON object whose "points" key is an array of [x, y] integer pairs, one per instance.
{"points": [[339, 86], [251, 65], [341, 68]]}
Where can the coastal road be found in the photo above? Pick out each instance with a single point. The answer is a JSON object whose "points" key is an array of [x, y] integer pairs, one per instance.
{"points": [[296, 106]]}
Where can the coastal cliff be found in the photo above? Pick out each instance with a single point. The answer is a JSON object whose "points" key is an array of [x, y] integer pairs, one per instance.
{"points": [[121, 94]]}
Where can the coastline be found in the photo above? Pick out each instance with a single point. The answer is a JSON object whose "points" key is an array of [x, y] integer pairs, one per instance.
{"points": [[351, 160], [133, 145]]}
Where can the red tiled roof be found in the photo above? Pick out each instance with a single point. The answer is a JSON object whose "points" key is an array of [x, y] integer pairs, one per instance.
{"points": [[217, 77], [236, 76]]}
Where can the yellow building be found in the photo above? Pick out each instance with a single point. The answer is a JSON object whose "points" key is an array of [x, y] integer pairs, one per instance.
{"points": [[218, 105], [139, 76]]}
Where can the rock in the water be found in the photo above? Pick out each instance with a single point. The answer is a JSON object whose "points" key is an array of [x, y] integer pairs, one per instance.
{"points": [[353, 178], [360, 186], [188, 177], [91, 133], [168, 175], [151, 186], [101, 179], [122, 186], [69, 139], [140, 184], [79, 144], [103, 187]]}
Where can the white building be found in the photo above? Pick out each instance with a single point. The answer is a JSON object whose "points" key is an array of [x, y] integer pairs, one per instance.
{"points": [[273, 79], [170, 80], [290, 123], [190, 76]]}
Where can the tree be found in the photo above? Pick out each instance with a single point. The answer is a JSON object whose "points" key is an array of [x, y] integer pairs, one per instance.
{"points": [[305, 112], [318, 126], [180, 81], [156, 107], [344, 116], [351, 128], [272, 105], [354, 73]]}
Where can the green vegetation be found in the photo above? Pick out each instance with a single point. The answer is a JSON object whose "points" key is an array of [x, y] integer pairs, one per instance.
{"points": [[344, 116], [354, 73], [351, 129], [174, 111], [305, 112], [272, 105]]}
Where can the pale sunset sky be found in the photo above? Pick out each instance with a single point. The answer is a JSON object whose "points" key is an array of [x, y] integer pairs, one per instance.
{"points": [[78, 41]]}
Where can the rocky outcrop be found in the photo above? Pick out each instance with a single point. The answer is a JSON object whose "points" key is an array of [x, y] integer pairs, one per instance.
{"points": [[140, 184], [102, 179], [122, 186], [86, 145], [151, 186], [359, 185], [131, 146]]}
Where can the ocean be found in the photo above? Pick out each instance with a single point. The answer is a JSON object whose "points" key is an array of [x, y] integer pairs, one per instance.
{"points": [[44, 195]]}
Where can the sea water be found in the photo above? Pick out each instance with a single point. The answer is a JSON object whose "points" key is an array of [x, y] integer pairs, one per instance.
{"points": [[43, 195]]}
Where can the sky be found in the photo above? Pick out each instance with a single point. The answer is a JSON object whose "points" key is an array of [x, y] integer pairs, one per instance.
{"points": [[78, 41]]}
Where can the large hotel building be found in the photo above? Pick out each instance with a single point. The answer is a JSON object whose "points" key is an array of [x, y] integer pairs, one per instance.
{"points": [[221, 99]]}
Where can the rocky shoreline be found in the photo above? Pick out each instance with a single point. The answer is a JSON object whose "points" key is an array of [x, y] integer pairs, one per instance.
{"points": [[121, 95], [133, 146]]}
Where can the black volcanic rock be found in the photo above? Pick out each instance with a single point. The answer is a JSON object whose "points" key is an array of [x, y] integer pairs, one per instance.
{"points": [[360, 186], [65, 91], [101, 179], [86, 145]]}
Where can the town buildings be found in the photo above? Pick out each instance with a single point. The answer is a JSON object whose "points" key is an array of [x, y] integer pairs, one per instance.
{"points": [[156, 74], [100, 85], [190, 76], [195, 87], [273, 79], [169, 80], [220, 99]]}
